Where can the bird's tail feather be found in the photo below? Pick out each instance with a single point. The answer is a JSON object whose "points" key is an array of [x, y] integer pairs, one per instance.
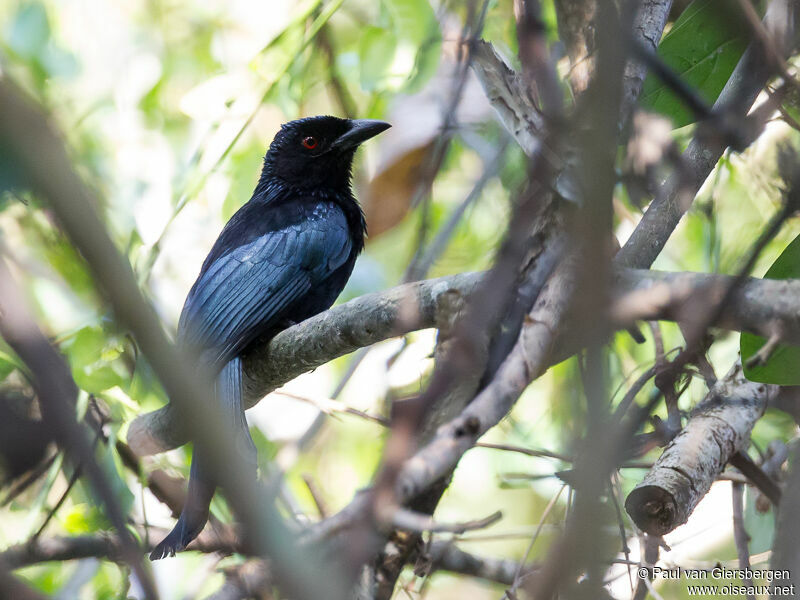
{"points": [[201, 486]]}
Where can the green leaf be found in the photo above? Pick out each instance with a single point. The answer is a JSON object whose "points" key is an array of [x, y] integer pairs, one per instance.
{"points": [[376, 54], [85, 346], [85, 518], [95, 379], [8, 363], [783, 365], [419, 40], [144, 388], [703, 47], [29, 31], [92, 356], [6, 368], [404, 53]]}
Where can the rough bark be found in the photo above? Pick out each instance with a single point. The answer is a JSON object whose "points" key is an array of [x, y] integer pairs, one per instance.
{"points": [[506, 91], [718, 428], [576, 30], [446, 556], [343, 329], [648, 25], [759, 306]]}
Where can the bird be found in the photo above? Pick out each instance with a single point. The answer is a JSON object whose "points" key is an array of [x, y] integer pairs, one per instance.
{"points": [[283, 257]]}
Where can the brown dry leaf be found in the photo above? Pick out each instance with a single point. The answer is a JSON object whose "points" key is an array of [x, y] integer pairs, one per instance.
{"points": [[389, 194], [416, 125]]}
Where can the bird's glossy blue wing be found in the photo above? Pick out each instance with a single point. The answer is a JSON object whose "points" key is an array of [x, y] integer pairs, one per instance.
{"points": [[246, 291]]}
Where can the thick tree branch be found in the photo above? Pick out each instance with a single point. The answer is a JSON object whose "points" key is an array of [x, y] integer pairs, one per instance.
{"points": [[527, 360], [316, 341], [718, 428], [244, 581], [508, 95], [758, 306], [506, 89]]}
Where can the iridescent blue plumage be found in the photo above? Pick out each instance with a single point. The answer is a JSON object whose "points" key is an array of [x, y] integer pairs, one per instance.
{"points": [[283, 257]]}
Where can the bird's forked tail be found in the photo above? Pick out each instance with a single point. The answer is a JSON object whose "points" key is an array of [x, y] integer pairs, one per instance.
{"points": [[201, 486]]}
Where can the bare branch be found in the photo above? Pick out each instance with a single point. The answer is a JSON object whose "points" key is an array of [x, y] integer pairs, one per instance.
{"points": [[102, 545], [413, 521], [719, 427], [446, 556], [755, 306], [434, 461], [757, 476], [640, 295], [508, 95], [343, 329], [648, 25]]}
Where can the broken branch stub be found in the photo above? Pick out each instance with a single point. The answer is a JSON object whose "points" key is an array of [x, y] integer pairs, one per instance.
{"points": [[719, 427]]}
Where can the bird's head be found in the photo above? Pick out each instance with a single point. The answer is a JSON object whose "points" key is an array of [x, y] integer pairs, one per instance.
{"points": [[318, 151]]}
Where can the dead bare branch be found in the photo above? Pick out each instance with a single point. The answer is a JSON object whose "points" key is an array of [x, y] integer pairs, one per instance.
{"points": [[718, 428]]}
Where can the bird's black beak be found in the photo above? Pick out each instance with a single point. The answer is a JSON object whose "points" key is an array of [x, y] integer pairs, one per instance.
{"points": [[360, 131]]}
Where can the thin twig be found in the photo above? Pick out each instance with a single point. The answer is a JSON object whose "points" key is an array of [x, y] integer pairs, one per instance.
{"points": [[412, 521], [740, 533], [315, 495], [545, 514], [526, 451], [757, 477]]}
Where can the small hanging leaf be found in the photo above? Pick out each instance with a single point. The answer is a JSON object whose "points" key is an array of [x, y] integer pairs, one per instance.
{"points": [[388, 198]]}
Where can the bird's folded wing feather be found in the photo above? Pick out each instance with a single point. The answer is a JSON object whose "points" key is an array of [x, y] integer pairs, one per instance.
{"points": [[247, 290]]}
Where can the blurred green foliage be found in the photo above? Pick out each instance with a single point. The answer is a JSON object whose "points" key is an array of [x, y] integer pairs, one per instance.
{"points": [[781, 366]]}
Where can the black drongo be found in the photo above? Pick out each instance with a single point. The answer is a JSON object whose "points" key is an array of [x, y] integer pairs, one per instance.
{"points": [[283, 257]]}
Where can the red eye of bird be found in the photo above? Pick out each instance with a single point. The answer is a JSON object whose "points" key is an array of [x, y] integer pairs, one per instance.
{"points": [[310, 142]]}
